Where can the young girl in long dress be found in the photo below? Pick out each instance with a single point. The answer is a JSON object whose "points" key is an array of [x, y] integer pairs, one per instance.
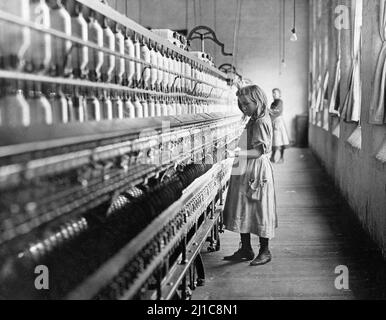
{"points": [[250, 206], [280, 136]]}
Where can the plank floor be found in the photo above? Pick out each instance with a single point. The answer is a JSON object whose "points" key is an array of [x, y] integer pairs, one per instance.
{"points": [[316, 233]]}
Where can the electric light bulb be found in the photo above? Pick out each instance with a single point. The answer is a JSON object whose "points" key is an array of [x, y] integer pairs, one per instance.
{"points": [[293, 35]]}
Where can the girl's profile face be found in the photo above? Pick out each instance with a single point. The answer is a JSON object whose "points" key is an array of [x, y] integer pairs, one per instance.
{"points": [[248, 107], [276, 94]]}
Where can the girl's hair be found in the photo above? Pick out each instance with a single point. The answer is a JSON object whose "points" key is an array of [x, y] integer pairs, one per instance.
{"points": [[276, 89], [255, 94]]}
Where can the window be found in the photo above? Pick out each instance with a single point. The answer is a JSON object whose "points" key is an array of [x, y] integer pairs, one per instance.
{"points": [[325, 23], [326, 117], [334, 102], [378, 105], [319, 96], [313, 63], [351, 108]]}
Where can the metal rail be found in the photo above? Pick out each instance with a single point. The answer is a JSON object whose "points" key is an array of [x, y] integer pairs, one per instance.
{"points": [[22, 76], [10, 18]]}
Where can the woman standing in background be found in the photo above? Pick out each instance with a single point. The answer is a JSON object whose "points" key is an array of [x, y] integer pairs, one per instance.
{"points": [[280, 136]]}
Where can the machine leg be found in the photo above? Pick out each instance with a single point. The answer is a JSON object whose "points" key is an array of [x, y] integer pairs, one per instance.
{"points": [[184, 260], [159, 287], [211, 247], [184, 288], [200, 271], [192, 277], [186, 293], [217, 235], [214, 238]]}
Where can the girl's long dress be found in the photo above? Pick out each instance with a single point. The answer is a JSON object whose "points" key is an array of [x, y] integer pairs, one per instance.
{"points": [[250, 206], [280, 135]]}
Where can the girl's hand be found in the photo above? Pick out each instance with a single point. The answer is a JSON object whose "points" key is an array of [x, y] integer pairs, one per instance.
{"points": [[234, 153], [230, 154]]}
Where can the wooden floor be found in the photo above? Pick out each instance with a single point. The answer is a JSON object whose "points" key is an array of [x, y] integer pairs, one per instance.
{"points": [[316, 234]]}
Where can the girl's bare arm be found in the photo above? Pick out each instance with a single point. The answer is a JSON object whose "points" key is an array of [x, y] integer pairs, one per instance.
{"points": [[250, 154]]}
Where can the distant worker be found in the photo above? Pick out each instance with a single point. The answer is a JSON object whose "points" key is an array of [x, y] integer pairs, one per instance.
{"points": [[280, 135]]}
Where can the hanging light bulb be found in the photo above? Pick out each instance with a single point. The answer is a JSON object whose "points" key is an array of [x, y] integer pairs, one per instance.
{"points": [[283, 64], [293, 37], [293, 31]]}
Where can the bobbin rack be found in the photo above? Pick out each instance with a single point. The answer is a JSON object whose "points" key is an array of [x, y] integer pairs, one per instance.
{"points": [[113, 155]]}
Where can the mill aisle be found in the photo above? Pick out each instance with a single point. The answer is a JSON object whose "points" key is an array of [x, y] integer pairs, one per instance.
{"points": [[317, 236]]}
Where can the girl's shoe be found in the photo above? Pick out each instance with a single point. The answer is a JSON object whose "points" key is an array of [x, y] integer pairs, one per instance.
{"points": [[263, 258], [241, 255]]}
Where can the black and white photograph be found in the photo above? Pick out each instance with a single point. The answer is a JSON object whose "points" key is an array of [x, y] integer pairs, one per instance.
{"points": [[200, 151]]}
